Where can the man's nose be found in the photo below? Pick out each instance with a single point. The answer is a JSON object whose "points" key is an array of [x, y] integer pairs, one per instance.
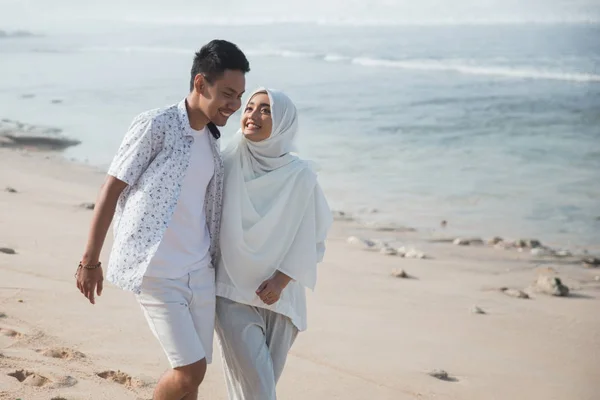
{"points": [[235, 104]]}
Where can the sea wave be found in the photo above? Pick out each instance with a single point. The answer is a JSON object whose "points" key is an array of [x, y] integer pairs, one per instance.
{"points": [[507, 72], [467, 67]]}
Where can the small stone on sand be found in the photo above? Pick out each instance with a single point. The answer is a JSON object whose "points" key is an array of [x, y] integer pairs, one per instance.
{"points": [[515, 293], [10, 189], [399, 273], [591, 262], [495, 240], [467, 242], [7, 250], [528, 243], [541, 252], [388, 251], [87, 206], [380, 244], [477, 310], [439, 374], [10, 333], [551, 285], [341, 216]]}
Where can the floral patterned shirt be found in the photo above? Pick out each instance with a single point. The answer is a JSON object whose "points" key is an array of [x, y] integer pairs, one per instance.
{"points": [[153, 160]]}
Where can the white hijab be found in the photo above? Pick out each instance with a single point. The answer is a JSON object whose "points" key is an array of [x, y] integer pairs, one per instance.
{"points": [[274, 213]]}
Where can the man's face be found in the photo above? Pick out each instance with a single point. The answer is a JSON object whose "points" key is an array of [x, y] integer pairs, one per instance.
{"points": [[222, 97]]}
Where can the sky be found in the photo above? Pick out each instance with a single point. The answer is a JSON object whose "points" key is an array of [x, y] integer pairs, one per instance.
{"points": [[28, 14]]}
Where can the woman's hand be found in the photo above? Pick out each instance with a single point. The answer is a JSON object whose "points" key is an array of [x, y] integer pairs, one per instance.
{"points": [[270, 290]]}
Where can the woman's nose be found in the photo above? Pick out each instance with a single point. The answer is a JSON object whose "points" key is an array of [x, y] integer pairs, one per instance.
{"points": [[255, 114]]}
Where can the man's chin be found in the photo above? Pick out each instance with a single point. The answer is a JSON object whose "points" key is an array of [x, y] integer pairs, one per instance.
{"points": [[220, 120]]}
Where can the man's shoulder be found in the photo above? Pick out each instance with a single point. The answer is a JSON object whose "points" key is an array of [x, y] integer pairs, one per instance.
{"points": [[158, 115]]}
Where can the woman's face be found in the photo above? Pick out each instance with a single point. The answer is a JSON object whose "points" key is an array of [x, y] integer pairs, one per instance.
{"points": [[256, 119]]}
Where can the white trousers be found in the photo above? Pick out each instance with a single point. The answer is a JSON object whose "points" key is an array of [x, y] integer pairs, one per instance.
{"points": [[254, 344]]}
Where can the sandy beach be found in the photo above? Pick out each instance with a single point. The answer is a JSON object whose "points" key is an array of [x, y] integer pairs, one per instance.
{"points": [[371, 335]]}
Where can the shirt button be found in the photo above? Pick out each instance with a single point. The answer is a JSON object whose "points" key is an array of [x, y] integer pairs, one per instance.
{"points": [[190, 139]]}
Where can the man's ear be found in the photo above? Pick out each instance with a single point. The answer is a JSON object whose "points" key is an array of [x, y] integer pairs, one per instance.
{"points": [[199, 83]]}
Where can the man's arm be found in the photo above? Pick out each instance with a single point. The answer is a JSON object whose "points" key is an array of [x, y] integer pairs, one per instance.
{"points": [[90, 281], [132, 159]]}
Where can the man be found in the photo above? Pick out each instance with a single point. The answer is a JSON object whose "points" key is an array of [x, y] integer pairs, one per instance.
{"points": [[164, 188]]}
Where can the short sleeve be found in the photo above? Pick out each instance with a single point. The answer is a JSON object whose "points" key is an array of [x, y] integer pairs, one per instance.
{"points": [[135, 153]]}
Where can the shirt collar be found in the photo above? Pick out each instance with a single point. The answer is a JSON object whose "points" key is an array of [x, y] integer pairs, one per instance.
{"points": [[183, 116], [185, 122]]}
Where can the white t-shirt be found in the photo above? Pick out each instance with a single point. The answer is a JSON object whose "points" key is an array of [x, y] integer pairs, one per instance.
{"points": [[185, 247]]}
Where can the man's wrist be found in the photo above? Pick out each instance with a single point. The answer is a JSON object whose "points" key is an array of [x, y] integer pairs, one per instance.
{"points": [[90, 260]]}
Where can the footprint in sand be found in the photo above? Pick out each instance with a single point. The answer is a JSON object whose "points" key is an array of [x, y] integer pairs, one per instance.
{"points": [[62, 353], [32, 379], [121, 378]]}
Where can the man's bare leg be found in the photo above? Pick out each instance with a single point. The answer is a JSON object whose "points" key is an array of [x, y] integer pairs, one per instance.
{"points": [[181, 383], [192, 396]]}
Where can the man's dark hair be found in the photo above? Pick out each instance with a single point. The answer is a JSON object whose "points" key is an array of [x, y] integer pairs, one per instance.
{"points": [[215, 57]]}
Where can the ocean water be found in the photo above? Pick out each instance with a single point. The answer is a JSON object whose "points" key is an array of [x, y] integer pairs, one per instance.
{"points": [[495, 129]]}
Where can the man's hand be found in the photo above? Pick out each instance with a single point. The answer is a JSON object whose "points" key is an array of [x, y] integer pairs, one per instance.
{"points": [[270, 290], [90, 282]]}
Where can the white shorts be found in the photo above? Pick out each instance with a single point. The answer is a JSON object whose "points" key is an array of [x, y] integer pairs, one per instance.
{"points": [[181, 314]]}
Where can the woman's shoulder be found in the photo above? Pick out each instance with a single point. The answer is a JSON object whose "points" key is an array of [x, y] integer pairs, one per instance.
{"points": [[306, 168]]}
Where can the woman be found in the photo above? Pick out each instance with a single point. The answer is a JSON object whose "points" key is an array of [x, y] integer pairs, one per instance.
{"points": [[274, 224]]}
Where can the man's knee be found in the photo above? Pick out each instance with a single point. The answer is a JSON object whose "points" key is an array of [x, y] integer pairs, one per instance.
{"points": [[191, 376]]}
